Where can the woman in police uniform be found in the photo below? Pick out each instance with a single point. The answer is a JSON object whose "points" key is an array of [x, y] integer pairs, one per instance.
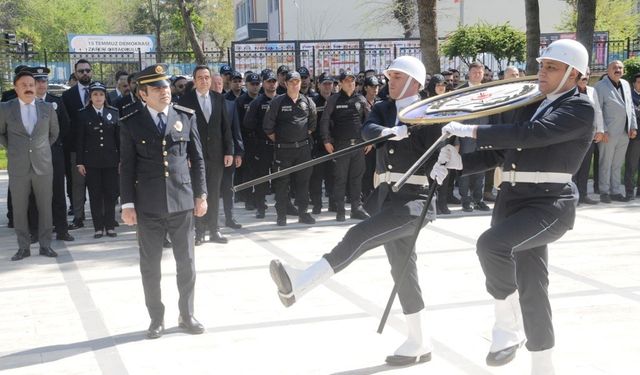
{"points": [[98, 156]]}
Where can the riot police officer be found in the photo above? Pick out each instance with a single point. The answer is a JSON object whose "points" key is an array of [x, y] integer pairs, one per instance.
{"points": [[288, 122], [340, 128]]}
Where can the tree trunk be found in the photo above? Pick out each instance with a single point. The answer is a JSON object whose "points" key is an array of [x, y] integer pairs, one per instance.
{"points": [[586, 23], [532, 13], [403, 12], [428, 35], [191, 32]]}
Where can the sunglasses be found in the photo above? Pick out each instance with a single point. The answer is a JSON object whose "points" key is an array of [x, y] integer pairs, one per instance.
{"points": [[84, 71], [180, 86]]}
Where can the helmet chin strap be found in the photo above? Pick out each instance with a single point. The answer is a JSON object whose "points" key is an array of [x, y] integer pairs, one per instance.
{"points": [[406, 87], [564, 80]]}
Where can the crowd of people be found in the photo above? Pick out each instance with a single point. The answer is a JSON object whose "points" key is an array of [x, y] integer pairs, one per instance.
{"points": [[254, 137]]}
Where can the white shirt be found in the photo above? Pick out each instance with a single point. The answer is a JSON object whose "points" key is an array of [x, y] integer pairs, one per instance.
{"points": [[550, 99], [29, 115], [98, 110]]}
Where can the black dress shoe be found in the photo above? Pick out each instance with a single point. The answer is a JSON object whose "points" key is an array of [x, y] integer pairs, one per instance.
{"points": [[76, 224], [481, 206], [306, 218], [442, 209], [98, 234], [281, 221], [605, 198], [21, 254], [466, 207], [70, 211], [503, 356], [402, 360], [340, 216], [587, 200], [156, 329], [292, 210], [217, 237], [359, 213], [232, 223], [167, 244], [260, 214], [34, 238], [281, 278], [64, 237], [48, 252], [190, 325], [111, 233], [199, 239], [317, 209], [618, 198]]}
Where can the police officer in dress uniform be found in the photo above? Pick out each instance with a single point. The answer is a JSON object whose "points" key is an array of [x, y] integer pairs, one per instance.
{"points": [[536, 203], [162, 185], [340, 127], [394, 215], [288, 122], [323, 171], [98, 156], [260, 158]]}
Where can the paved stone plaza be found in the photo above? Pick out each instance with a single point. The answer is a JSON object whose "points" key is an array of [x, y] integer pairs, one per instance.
{"points": [[83, 313]]}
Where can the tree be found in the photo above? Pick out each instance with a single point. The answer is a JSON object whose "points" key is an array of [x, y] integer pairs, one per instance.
{"points": [[586, 21], [404, 12], [428, 35], [218, 23], [618, 17], [505, 43], [532, 13], [186, 11], [464, 43]]}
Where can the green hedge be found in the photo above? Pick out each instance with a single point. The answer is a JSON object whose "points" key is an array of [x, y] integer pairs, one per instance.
{"points": [[631, 68], [3, 158]]}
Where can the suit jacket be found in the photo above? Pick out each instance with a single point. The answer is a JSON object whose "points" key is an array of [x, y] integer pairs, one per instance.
{"points": [[216, 136], [63, 117], [238, 144], [154, 173], [73, 104], [24, 151], [98, 141], [113, 97], [618, 114]]}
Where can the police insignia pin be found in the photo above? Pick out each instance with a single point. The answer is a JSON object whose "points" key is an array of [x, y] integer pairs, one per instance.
{"points": [[178, 125], [55, 106], [109, 117], [159, 69]]}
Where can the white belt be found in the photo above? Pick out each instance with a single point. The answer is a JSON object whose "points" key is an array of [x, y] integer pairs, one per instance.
{"points": [[390, 177], [514, 177]]}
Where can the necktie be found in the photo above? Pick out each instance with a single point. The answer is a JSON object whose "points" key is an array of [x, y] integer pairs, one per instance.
{"points": [[100, 117], [33, 118], [205, 108], [86, 96], [161, 125]]}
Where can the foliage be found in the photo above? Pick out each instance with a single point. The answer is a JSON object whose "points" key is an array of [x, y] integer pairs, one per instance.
{"points": [[218, 22], [404, 12], [631, 68], [618, 17], [503, 41]]}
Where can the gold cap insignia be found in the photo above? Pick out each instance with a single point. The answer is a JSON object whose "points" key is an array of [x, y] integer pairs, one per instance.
{"points": [[159, 69]]}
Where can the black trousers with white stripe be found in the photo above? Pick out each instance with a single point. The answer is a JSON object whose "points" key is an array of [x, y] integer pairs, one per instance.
{"points": [[513, 255], [392, 228]]}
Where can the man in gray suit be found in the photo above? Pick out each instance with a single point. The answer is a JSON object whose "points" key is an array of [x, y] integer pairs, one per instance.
{"points": [[614, 97], [27, 130]]}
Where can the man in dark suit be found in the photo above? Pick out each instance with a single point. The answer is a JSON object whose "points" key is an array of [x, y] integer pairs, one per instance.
{"points": [[75, 99], [122, 87], [27, 130], [59, 209], [162, 185], [214, 125]]}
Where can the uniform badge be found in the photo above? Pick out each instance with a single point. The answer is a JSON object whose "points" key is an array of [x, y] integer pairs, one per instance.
{"points": [[178, 125], [303, 106], [109, 117], [358, 106], [55, 106], [159, 69]]}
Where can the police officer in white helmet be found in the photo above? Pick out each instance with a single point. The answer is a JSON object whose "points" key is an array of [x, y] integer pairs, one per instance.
{"points": [[536, 202], [393, 215]]}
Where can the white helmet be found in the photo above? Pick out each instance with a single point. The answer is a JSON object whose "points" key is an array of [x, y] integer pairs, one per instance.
{"points": [[569, 52], [410, 66]]}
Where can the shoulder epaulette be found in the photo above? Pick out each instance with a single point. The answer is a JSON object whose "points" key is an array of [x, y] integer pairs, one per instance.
{"points": [[129, 115], [184, 109], [111, 107]]}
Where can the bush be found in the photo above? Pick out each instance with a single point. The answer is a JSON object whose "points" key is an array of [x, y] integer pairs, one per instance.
{"points": [[631, 68]]}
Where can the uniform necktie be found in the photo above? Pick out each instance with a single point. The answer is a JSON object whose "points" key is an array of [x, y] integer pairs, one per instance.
{"points": [[86, 96], [161, 124], [205, 108], [33, 117], [100, 117]]}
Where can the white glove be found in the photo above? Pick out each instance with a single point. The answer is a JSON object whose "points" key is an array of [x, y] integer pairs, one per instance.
{"points": [[401, 132], [439, 172], [458, 129], [450, 158]]}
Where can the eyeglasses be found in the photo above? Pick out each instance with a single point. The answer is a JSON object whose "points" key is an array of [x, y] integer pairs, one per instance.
{"points": [[84, 71]]}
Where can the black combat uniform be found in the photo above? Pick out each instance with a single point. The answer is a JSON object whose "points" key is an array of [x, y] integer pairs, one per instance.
{"points": [[528, 215], [291, 123], [340, 125], [323, 171]]}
